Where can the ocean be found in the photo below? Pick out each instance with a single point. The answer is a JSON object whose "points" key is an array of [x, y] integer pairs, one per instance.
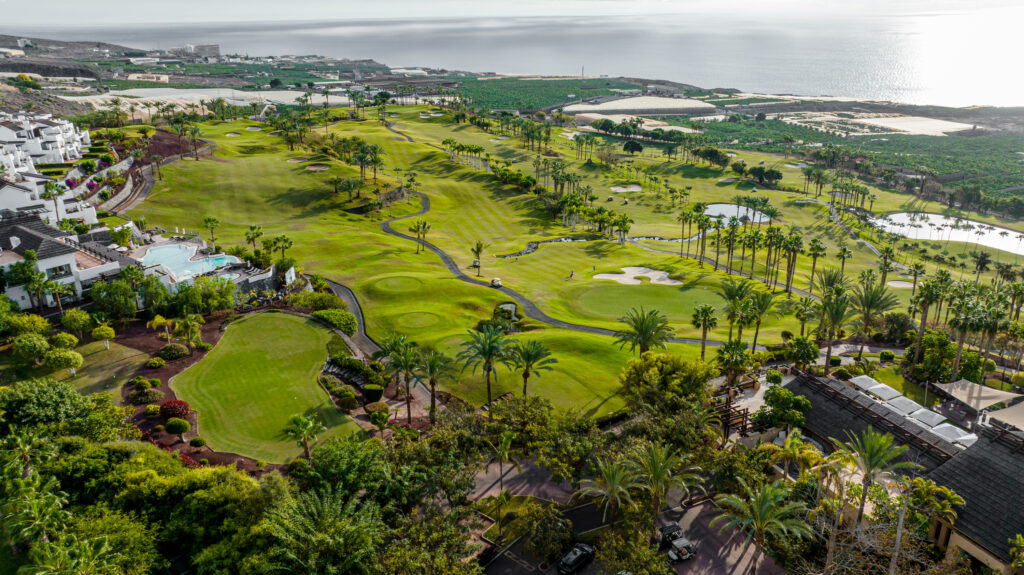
{"points": [[960, 58]]}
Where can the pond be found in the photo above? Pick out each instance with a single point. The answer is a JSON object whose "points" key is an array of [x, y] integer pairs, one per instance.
{"points": [[936, 227], [726, 211]]}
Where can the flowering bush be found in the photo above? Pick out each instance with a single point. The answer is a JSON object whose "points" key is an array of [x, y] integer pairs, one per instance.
{"points": [[92, 186], [104, 165], [175, 408]]}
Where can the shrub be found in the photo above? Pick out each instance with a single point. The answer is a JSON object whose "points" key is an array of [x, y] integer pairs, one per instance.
{"points": [[374, 407], [140, 384], [834, 361], [841, 373], [373, 393], [197, 442], [329, 381], [177, 426], [337, 347], [29, 347], [172, 351], [261, 464], [339, 319], [377, 366], [316, 301], [64, 340], [204, 461], [204, 346], [175, 408], [886, 355], [63, 359], [155, 382], [774, 377], [143, 396], [347, 403], [28, 323], [1018, 379], [152, 411], [158, 428], [156, 362]]}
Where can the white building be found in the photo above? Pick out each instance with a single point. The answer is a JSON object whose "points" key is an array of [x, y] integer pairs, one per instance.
{"points": [[57, 256], [27, 140]]}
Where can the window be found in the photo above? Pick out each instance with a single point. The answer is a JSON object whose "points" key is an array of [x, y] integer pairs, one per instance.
{"points": [[59, 271]]}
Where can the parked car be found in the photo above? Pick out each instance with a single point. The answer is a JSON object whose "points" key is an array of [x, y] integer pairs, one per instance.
{"points": [[576, 558], [679, 548], [496, 283]]}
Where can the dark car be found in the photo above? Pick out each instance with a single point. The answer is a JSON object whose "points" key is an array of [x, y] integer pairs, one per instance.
{"points": [[679, 548], [576, 558]]}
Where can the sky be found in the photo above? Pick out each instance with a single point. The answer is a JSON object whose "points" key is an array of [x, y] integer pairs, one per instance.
{"points": [[107, 12]]}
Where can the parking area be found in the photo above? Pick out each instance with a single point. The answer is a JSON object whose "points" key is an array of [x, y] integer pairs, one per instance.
{"points": [[717, 554]]}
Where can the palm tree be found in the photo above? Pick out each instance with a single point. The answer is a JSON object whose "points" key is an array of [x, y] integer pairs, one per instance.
{"points": [[420, 228], [613, 484], [483, 349], [917, 270], [58, 290], [969, 316], [502, 453], [402, 364], [188, 328], [761, 513], [659, 469], [733, 359], [211, 224], [478, 252], [255, 232], [644, 329], [734, 292], [931, 292], [887, 254], [160, 321], [871, 302], [762, 303], [815, 249], [704, 318], [433, 367], [53, 191], [530, 357], [304, 430], [283, 243], [835, 313], [842, 255], [873, 456]]}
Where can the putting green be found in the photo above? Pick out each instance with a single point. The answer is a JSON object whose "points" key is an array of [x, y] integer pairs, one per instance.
{"points": [[398, 284], [613, 301], [418, 319], [261, 373]]}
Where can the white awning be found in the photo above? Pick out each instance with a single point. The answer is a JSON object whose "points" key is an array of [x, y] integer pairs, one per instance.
{"points": [[975, 396], [1013, 415], [904, 405], [864, 382], [883, 391], [927, 417], [950, 431], [967, 440]]}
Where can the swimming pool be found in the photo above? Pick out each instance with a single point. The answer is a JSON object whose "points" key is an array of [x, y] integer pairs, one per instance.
{"points": [[178, 259]]}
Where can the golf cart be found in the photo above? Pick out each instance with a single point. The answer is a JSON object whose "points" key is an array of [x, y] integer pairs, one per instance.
{"points": [[679, 548]]}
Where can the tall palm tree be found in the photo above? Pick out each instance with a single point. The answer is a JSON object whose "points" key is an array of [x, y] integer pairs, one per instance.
{"points": [[283, 243], [835, 313], [484, 349], [733, 359], [211, 223], [644, 329], [188, 328], [304, 430], [761, 513], [704, 318], [502, 453], [478, 252], [887, 254], [53, 191], [871, 302], [530, 357], [433, 367], [815, 249], [873, 456], [160, 321], [58, 290], [254, 233], [842, 255], [931, 292], [734, 292], [658, 469], [761, 304], [613, 484], [402, 364]]}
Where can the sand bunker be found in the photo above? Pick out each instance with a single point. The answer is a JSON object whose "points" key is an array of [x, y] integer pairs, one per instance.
{"points": [[393, 115], [798, 166], [632, 273], [499, 139], [296, 160], [629, 188], [571, 135], [254, 129], [899, 284], [728, 180], [232, 135], [317, 167], [436, 114]]}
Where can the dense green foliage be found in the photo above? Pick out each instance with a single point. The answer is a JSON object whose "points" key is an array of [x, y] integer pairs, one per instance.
{"points": [[525, 94]]}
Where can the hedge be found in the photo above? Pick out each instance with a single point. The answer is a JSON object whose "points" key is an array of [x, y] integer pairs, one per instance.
{"points": [[373, 393], [886, 355], [197, 442], [339, 319], [144, 396], [156, 363], [375, 407], [372, 376], [347, 403]]}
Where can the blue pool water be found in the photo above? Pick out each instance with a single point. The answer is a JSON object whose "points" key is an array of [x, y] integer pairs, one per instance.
{"points": [[178, 259]]}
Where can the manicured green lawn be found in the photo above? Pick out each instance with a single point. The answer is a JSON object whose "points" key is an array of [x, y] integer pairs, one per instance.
{"points": [[891, 377], [103, 369], [260, 374]]}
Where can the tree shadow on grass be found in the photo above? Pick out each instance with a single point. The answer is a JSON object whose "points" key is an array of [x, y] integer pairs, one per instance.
{"points": [[311, 200], [600, 249]]}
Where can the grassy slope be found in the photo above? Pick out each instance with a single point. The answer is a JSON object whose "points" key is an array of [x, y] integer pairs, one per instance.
{"points": [[260, 374]]}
